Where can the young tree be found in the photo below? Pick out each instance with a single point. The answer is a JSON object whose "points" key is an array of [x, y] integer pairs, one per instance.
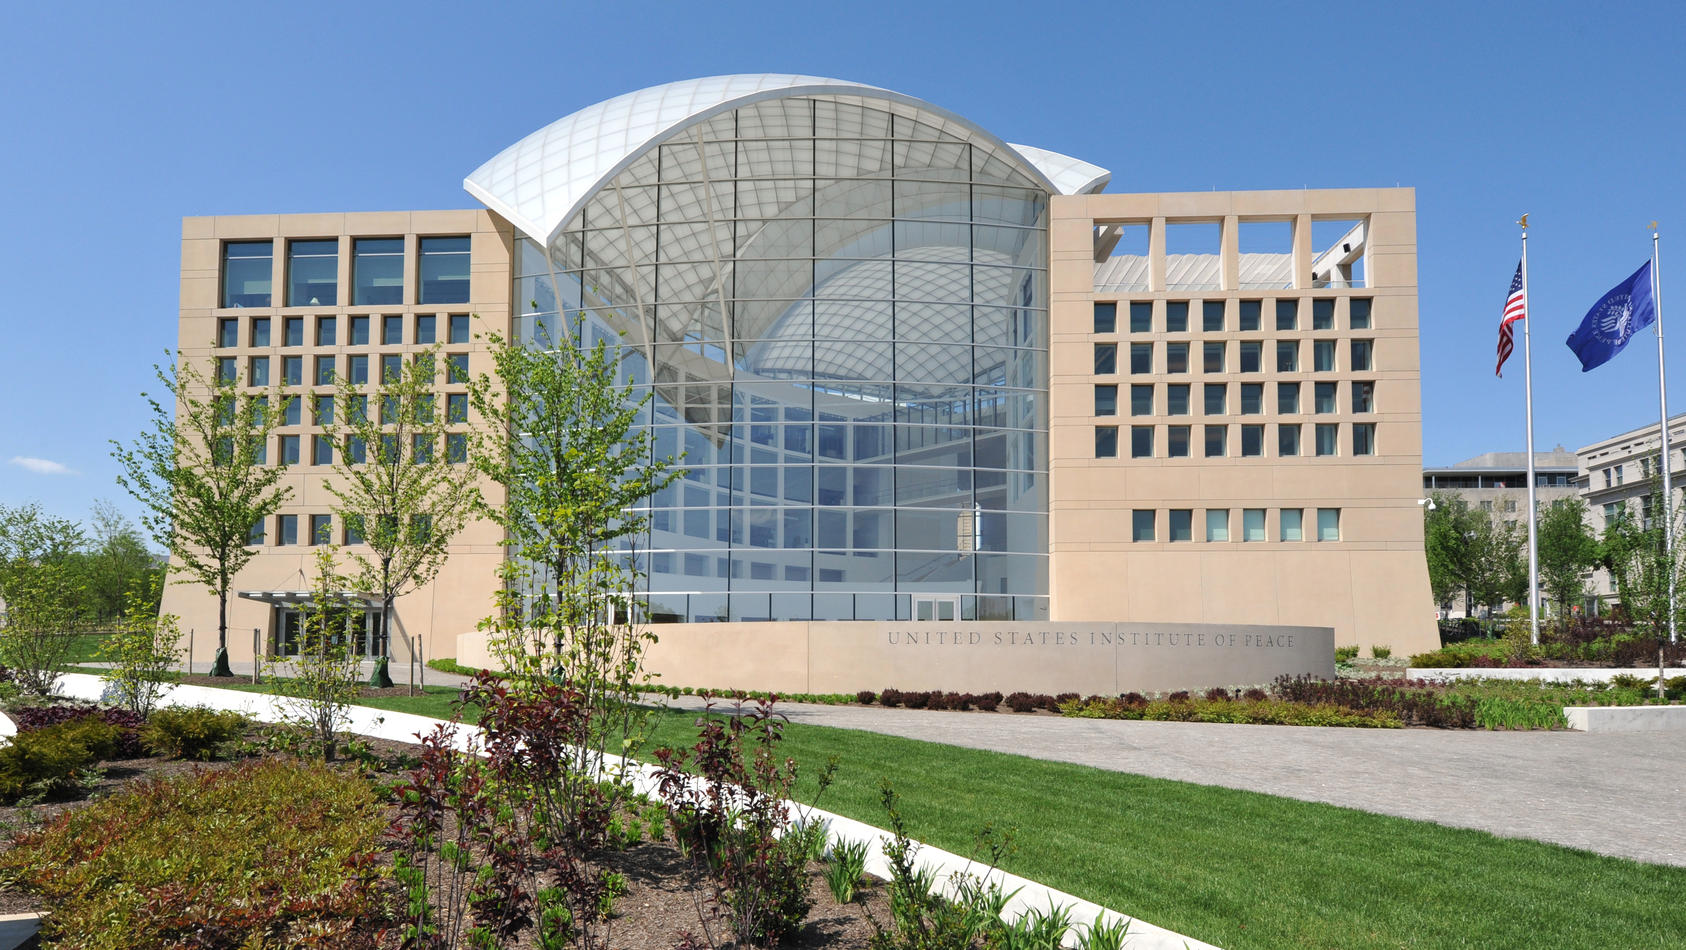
{"points": [[1498, 561], [322, 683], [117, 564], [42, 590], [562, 436], [402, 488], [1567, 549], [1448, 525], [144, 650], [1636, 555], [200, 471]]}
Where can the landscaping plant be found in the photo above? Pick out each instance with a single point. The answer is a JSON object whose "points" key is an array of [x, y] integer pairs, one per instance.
{"points": [[323, 680], [844, 870], [144, 649], [193, 732]]}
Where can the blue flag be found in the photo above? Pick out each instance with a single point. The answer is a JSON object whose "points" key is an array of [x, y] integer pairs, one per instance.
{"points": [[1614, 319]]}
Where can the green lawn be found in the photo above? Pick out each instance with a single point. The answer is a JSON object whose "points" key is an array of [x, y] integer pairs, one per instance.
{"points": [[1236, 869]]}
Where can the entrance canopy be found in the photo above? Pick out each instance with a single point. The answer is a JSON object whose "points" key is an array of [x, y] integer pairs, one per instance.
{"points": [[287, 598]]}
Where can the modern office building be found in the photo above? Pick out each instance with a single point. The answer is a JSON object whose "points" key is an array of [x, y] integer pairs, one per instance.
{"points": [[1621, 477], [917, 374]]}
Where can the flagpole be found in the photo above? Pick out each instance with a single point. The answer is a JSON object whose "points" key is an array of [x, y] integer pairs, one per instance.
{"points": [[1533, 509], [1662, 395]]}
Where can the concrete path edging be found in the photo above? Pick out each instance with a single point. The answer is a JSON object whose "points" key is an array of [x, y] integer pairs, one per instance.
{"points": [[406, 727]]}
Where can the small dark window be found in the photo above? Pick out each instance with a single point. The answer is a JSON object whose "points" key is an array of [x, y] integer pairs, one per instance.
{"points": [[1106, 358], [1106, 318], [1141, 317]]}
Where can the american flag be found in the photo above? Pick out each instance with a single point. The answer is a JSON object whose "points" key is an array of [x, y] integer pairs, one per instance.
{"points": [[1516, 308]]}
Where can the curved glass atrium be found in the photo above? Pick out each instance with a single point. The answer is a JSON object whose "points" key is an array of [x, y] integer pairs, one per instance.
{"points": [[839, 305]]}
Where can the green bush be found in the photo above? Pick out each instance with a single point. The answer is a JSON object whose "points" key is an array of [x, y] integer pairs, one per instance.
{"points": [[1380, 652], [192, 732], [1272, 712], [51, 761], [1346, 654], [272, 853]]}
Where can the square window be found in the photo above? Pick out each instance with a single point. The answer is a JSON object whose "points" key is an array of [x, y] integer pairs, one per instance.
{"points": [[247, 272], [1323, 356], [1361, 355], [292, 331], [1323, 314], [1141, 358], [287, 529], [456, 408], [356, 451], [1176, 400], [255, 536], [456, 368], [292, 371], [1358, 313], [1106, 318], [1106, 400], [324, 370], [389, 410], [322, 410], [227, 370], [356, 409], [1106, 359], [1252, 441], [1251, 353], [456, 448], [1215, 439], [359, 331], [257, 371], [1363, 396], [1287, 399], [1214, 396], [392, 330], [421, 449], [1288, 440], [313, 273], [1287, 314], [1181, 524], [1106, 442], [1252, 399], [444, 270], [327, 331], [1141, 317], [1141, 400], [1141, 524], [1213, 357], [1323, 398], [321, 529], [289, 454], [291, 411], [1212, 316], [1250, 311], [1176, 357], [1141, 442], [1217, 524], [1176, 316], [1328, 524], [1252, 524], [260, 331], [1176, 442], [424, 329], [392, 368], [459, 328], [1287, 356], [353, 529], [1327, 434], [377, 271], [1364, 438], [1292, 524], [357, 369], [228, 332]]}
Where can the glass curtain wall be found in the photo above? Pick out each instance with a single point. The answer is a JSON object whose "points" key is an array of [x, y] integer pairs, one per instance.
{"points": [[839, 306]]}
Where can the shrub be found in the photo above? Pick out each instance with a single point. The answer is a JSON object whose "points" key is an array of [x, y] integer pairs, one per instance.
{"points": [[272, 853], [1253, 694], [891, 698], [127, 744], [1054, 704], [1133, 699], [50, 761], [193, 732], [865, 697], [1216, 692], [988, 701], [1346, 654], [844, 871], [1380, 652], [916, 700], [1180, 696]]}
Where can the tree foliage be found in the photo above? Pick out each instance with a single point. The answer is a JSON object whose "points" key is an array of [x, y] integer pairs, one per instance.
{"points": [[408, 497], [143, 651], [117, 563], [43, 589], [1635, 552], [199, 469], [1567, 549], [1470, 551], [319, 685]]}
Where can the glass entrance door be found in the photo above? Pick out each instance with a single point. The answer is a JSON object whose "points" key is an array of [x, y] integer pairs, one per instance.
{"points": [[936, 608]]}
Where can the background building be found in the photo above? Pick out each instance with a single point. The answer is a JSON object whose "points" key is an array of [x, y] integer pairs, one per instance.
{"points": [[897, 354], [1622, 477]]}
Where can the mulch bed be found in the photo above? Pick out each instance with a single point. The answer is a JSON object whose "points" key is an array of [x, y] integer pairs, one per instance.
{"points": [[666, 898]]}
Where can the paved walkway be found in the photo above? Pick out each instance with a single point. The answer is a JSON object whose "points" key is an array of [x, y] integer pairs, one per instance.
{"points": [[1620, 794]]}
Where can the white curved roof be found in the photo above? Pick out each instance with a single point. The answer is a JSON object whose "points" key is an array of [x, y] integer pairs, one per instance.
{"points": [[541, 181]]}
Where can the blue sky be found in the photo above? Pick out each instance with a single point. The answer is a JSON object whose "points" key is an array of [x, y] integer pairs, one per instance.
{"points": [[120, 119]]}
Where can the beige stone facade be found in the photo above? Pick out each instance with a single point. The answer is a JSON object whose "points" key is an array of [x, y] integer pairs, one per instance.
{"points": [[457, 599], [1369, 580]]}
